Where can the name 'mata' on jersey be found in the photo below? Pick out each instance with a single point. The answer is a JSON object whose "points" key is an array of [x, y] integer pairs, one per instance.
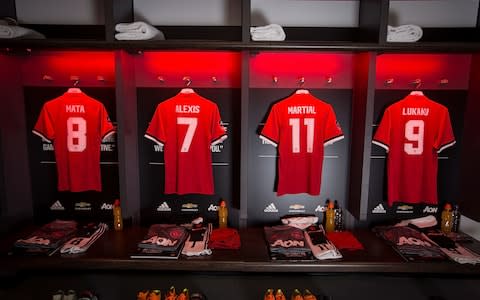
{"points": [[186, 125], [413, 131], [76, 124], [301, 125]]}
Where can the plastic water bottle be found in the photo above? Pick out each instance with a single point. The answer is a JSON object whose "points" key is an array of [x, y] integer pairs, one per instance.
{"points": [[117, 216], [223, 215], [446, 224], [456, 219], [330, 218]]}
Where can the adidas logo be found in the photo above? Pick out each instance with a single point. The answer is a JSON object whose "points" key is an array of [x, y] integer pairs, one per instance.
{"points": [[164, 207], [271, 208], [57, 206], [213, 207], [320, 208], [379, 209]]}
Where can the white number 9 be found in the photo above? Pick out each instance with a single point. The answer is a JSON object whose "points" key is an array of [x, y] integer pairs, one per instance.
{"points": [[414, 132]]}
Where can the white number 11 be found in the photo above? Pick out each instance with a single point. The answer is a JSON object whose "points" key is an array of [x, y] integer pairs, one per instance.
{"points": [[295, 123]]}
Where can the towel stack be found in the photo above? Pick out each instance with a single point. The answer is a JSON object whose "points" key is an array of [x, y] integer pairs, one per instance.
{"points": [[9, 29], [272, 32], [404, 33], [137, 31]]}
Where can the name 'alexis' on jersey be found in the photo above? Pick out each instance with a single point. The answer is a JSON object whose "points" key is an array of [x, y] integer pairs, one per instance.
{"points": [[301, 125], [187, 125]]}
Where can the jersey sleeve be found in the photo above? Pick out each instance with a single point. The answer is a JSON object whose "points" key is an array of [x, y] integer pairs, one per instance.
{"points": [[271, 129], [382, 135], [333, 132], [45, 125], [444, 137], [156, 130], [219, 132], [106, 126]]}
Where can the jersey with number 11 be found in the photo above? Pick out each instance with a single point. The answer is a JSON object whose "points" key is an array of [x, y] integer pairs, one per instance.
{"points": [[186, 125], [300, 125], [413, 131], [76, 124]]}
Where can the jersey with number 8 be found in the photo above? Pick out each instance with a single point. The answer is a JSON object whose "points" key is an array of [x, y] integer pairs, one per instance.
{"points": [[76, 124], [413, 131], [187, 125]]}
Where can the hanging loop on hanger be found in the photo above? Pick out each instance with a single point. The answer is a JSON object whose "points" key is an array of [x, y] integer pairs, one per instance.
{"points": [[389, 81], [417, 83], [47, 77], [187, 80], [329, 79], [301, 81]]}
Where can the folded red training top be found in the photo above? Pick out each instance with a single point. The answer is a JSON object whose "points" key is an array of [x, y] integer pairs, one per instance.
{"points": [[344, 240], [224, 238]]}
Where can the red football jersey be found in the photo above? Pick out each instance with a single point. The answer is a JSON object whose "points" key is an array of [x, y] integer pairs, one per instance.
{"points": [[413, 131], [301, 125], [76, 124], [186, 125]]}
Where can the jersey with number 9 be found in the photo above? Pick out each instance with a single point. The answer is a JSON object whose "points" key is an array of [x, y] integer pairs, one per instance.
{"points": [[76, 124], [413, 131], [186, 125]]}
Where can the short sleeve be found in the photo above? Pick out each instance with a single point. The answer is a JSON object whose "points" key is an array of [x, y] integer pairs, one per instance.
{"points": [[382, 135], [156, 130], [444, 137], [45, 125], [271, 129], [333, 131], [106, 126], [218, 132]]}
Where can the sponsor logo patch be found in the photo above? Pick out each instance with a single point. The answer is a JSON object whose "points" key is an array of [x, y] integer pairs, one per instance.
{"points": [[321, 208], [430, 209], [404, 209], [106, 206], [189, 207], [299, 208], [83, 206], [213, 207]]}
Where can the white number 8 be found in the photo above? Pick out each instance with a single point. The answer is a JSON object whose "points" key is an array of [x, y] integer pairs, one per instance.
{"points": [[76, 134], [414, 132]]}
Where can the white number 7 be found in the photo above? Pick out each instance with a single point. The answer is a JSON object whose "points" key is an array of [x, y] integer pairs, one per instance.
{"points": [[192, 125]]}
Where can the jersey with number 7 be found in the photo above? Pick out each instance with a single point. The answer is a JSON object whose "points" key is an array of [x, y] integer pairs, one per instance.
{"points": [[186, 125], [300, 125], [76, 124], [413, 131]]}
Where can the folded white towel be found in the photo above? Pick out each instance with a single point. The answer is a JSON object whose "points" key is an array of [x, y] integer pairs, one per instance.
{"points": [[272, 32], [422, 222], [138, 31], [404, 33], [12, 31]]}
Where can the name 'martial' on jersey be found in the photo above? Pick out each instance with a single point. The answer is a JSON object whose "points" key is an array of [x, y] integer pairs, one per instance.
{"points": [[415, 111], [301, 109], [74, 108]]}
